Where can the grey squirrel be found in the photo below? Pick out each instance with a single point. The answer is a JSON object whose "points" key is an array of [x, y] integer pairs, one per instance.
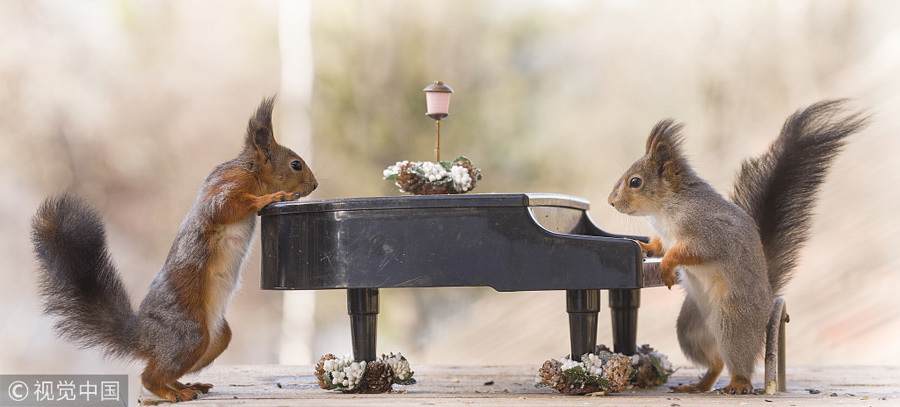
{"points": [[180, 326], [736, 256]]}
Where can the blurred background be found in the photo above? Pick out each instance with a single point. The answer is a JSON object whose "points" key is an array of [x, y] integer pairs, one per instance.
{"points": [[130, 104]]}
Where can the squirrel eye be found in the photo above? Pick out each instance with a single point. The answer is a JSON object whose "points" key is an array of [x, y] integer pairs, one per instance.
{"points": [[296, 165], [635, 182]]}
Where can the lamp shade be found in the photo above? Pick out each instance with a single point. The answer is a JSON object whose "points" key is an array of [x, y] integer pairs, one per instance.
{"points": [[437, 100]]}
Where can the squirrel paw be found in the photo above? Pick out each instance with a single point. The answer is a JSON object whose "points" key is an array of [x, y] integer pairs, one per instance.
{"points": [[652, 249], [668, 275], [201, 387], [737, 386], [187, 394], [282, 196]]}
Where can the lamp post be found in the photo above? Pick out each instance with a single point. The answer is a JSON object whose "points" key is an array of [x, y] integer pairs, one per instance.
{"points": [[437, 100]]}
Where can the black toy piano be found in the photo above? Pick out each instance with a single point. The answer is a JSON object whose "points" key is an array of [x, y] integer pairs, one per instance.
{"points": [[509, 242]]}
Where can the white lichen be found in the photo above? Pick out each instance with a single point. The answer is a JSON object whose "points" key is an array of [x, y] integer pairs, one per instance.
{"points": [[400, 366], [593, 364], [462, 180], [432, 171], [345, 373], [570, 364]]}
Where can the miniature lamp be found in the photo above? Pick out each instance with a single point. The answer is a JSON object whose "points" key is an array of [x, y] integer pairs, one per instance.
{"points": [[437, 100]]}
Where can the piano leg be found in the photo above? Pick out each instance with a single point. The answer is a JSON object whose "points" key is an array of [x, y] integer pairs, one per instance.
{"points": [[623, 305], [362, 305], [582, 306]]}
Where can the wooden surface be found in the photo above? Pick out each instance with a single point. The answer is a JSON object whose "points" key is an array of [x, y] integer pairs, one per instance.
{"points": [[514, 386]]}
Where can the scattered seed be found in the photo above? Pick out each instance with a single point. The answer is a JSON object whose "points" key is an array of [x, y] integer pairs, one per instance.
{"points": [[490, 383]]}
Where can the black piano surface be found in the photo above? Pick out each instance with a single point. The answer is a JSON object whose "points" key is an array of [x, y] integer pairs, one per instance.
{"points": [[510, 242]]}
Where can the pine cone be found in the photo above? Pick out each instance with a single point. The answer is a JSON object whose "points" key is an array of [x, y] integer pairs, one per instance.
{"points": [[618, 372], [378, 378], [429, 189], [552, 375], [413, 184], [320, 371], [408, 181], [645, 375]]}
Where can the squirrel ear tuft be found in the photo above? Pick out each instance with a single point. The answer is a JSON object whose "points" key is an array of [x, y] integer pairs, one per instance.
{"points": [[259, 130], [664, 142]]}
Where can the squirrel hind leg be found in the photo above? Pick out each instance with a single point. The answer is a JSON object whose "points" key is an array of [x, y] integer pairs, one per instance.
{"points": [[170, 390], [699, 345], [217, 345], [161, 379], [705, 384]]}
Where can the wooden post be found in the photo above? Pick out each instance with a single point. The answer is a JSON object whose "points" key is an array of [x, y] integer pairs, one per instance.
{"points": [[775, 364]]}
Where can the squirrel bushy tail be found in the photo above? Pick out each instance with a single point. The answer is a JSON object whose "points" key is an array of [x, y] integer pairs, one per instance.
{"points": [[778, 188], [78, 281]]}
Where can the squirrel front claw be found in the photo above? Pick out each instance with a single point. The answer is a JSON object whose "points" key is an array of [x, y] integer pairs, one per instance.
{"points": [[668, 275]]}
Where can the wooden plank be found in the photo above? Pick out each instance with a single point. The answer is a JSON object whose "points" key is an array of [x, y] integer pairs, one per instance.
{"points": [[514, 385]]}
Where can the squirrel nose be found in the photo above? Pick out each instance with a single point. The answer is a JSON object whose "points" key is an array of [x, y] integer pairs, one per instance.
{"points": [[315, 185]]}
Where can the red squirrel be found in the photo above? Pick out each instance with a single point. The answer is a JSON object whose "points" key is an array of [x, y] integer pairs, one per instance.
{"points": [[180, 325], [733, 257]]}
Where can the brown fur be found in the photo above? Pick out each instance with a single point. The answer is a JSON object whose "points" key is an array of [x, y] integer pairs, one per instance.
{"points": [[180, 326], [652, 249], [678, 255]]}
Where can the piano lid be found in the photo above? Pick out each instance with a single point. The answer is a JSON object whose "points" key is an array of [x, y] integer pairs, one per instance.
{"points": [[427, 201]]}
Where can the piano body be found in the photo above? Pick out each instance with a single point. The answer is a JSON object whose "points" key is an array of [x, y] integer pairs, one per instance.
{"points": [[510, 242]]}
